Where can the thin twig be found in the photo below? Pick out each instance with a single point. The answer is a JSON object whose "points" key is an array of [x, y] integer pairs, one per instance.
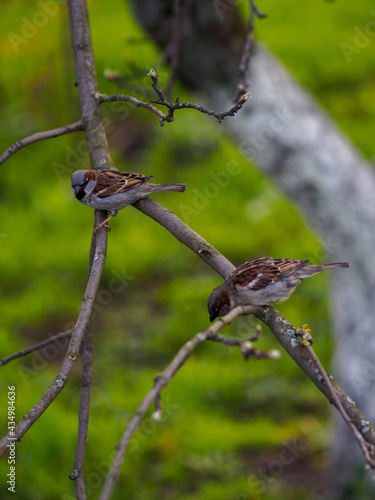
{"points": [[140, 104], [83, 416], [243, 85], [159, 383], [40, 136], [172, 107], [175, 42], [288, 338], [191, 105], [246, 347], [72, 352], [367, 448], [35, 347]]}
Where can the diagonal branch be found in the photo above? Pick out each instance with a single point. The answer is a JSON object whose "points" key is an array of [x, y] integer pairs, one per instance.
{"points": [[35, 347], [40, 136], [368, 449], [159, 383], [287, 335], [185, 235], [303, 355], [284, 332], [72, 352]]}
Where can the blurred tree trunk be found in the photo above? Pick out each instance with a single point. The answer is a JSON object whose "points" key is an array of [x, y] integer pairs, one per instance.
{"points": [[285, 133]]}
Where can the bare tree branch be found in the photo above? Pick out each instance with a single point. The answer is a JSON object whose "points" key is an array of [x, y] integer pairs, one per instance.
{"points": [[244, 86], [301, 353], [87, 84], [140, 104], [35, 347], [287, 335], [159, 383], [270, 316], [100, 157], [368, 449], [40, 136], [83, 419], [175, 43], [73, 349], [185, 235], [172, 107]]}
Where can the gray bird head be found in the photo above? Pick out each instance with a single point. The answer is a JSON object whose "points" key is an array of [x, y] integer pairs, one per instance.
{"points": [[83, 182]]}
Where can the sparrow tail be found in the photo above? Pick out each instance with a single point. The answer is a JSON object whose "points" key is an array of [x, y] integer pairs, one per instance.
{"points": [[332, 265], [314, 269], [168, 187]]}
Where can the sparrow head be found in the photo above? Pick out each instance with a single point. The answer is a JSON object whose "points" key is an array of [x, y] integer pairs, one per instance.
{"points": [[219, 303], [83, 182]]}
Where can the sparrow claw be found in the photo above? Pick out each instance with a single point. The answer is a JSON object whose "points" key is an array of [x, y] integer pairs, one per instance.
{"points": [[102, 224]]}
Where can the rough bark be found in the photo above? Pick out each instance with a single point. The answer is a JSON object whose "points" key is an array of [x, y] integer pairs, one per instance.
{"points": [[289, 137]]}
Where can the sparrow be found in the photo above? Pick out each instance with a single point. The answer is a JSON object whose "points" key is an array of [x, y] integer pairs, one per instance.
{"points": [[262, 281], [112, 190]]}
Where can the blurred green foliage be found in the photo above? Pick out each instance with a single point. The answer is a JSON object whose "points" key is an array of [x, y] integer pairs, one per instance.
{"points": [[225, 422]]}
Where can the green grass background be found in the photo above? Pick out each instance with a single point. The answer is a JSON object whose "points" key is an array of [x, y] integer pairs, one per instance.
{"points": [[225, 422]]}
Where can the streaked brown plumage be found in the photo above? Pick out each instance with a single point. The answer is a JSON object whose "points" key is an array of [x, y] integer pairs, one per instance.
{"points": [[111, 182], [261, 282], [113, 190]]}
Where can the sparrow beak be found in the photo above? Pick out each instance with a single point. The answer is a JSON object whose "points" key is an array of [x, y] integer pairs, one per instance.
{"points": [[213, 316], [79, 191]]}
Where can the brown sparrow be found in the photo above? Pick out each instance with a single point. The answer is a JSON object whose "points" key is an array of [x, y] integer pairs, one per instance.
{"points": [[261, 282], [112, 190]]}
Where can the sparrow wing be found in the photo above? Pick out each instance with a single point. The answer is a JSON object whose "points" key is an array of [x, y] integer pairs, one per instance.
{"points": [[260, 273], [110, 182]]}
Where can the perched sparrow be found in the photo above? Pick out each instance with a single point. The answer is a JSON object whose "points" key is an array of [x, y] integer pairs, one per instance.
{"points": [[261, 282], [113, 190]]}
